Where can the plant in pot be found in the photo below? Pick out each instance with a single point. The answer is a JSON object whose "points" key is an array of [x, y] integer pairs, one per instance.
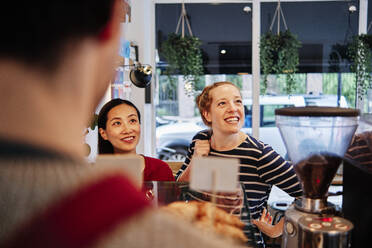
{"points": [[184, 56], [359, 52], [279, 55]]}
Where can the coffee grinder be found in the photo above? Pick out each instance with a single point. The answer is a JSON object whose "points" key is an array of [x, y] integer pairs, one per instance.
{"points": [[316, 139]]}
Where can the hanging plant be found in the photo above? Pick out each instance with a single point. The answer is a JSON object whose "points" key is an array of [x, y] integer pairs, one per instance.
{"points": [[183, 54], [279, 52], [279, 55], [359, 52], [184, 57]]}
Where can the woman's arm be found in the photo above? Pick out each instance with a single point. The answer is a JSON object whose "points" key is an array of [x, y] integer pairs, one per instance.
{"points": [[275, 170], [185, 174], [202, 135], [273, 231], [201, 148], [182, 174]]}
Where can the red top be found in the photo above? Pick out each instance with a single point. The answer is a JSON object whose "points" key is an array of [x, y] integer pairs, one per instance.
{"points": [[81, 219], [157, 170]]}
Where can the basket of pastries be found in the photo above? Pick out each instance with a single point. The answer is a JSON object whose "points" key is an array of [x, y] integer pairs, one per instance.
{"points": [[208, 217]]}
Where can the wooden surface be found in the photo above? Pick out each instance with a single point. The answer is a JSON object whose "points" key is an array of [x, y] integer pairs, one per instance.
{"points": [[174, 165], [337, 180]]}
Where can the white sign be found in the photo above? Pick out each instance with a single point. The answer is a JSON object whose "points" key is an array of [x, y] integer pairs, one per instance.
{"points": [[131, 165], [214, 174]]}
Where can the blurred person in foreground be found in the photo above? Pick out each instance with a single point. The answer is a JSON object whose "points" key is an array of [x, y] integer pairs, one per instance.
{"points": [[119, 127], [221, 108], [56, 60]]}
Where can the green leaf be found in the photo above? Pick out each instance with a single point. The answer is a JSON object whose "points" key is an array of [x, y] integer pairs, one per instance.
{"points": [[279, 54], [359, 52], [183, 56]]}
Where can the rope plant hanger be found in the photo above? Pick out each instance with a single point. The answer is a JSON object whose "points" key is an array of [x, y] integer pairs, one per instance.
{"points": [[277, 14], [279, 53], [182, 52], [184, 19]]}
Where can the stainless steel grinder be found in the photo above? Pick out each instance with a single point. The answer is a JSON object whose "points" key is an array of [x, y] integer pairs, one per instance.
{"points": [[316, 139]]}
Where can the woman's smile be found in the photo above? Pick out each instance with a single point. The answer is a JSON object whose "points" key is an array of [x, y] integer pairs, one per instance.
{"points": [[232, 120], [129, 139]]}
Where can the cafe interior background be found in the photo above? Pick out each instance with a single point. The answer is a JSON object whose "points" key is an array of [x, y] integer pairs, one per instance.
{"points": [[230, 33]]}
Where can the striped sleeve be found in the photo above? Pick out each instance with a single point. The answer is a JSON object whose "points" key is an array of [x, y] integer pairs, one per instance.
{"points": [[359, 150], [274, 170], [202, 135]]}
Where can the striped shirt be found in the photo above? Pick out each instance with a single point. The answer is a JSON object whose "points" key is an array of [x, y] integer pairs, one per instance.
{"points": [[360, 150], [260, 168]]}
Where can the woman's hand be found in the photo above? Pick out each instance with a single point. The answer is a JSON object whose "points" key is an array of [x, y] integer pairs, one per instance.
{"points": [[266, 216], [202, 148], [265, 226]]}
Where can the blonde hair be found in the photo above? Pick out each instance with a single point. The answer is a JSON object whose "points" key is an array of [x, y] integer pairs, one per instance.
{"points": [[204, 100]]}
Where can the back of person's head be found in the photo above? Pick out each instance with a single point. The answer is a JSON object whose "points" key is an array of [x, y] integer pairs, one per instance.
{"points": [[104, 146], [36, 32], [204, 100]]}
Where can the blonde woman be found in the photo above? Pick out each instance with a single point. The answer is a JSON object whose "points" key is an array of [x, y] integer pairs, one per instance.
{"points": [[221, 108]]}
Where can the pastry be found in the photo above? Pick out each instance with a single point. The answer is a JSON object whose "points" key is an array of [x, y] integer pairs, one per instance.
{"points": [[206, 216]]}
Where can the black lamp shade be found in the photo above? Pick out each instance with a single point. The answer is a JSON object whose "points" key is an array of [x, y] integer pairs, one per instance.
{"points": [[141, 76]]}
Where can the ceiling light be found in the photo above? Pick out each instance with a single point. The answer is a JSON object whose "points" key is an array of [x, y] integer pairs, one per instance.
{"points": [[223, 51], [247, 9], [352, 8]]}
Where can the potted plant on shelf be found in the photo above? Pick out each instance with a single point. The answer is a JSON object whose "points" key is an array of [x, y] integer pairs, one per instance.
{"points": [[359, 52]]}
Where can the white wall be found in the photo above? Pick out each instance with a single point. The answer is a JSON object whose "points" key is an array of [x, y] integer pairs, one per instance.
{"points": [[140, 31]]}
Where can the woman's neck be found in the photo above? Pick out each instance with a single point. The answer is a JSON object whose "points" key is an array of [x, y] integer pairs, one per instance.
{"points": [[225, 142], [121, 152]]}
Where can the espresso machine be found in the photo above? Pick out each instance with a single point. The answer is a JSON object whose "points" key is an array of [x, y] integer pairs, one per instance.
{"points": [[316, 139]]}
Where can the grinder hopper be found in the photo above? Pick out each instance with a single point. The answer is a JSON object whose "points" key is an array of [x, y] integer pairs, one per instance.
{"points": [[316, 139]]}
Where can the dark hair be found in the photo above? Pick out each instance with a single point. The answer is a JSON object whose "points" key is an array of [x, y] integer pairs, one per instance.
{"points": [[105, 146], [35, 32]]}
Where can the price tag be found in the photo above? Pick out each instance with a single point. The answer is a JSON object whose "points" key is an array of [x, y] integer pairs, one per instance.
{"points": [[214, 174]]}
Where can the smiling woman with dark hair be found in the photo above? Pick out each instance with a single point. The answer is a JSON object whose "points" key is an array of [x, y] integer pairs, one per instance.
{"points": [[119, 126]]}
